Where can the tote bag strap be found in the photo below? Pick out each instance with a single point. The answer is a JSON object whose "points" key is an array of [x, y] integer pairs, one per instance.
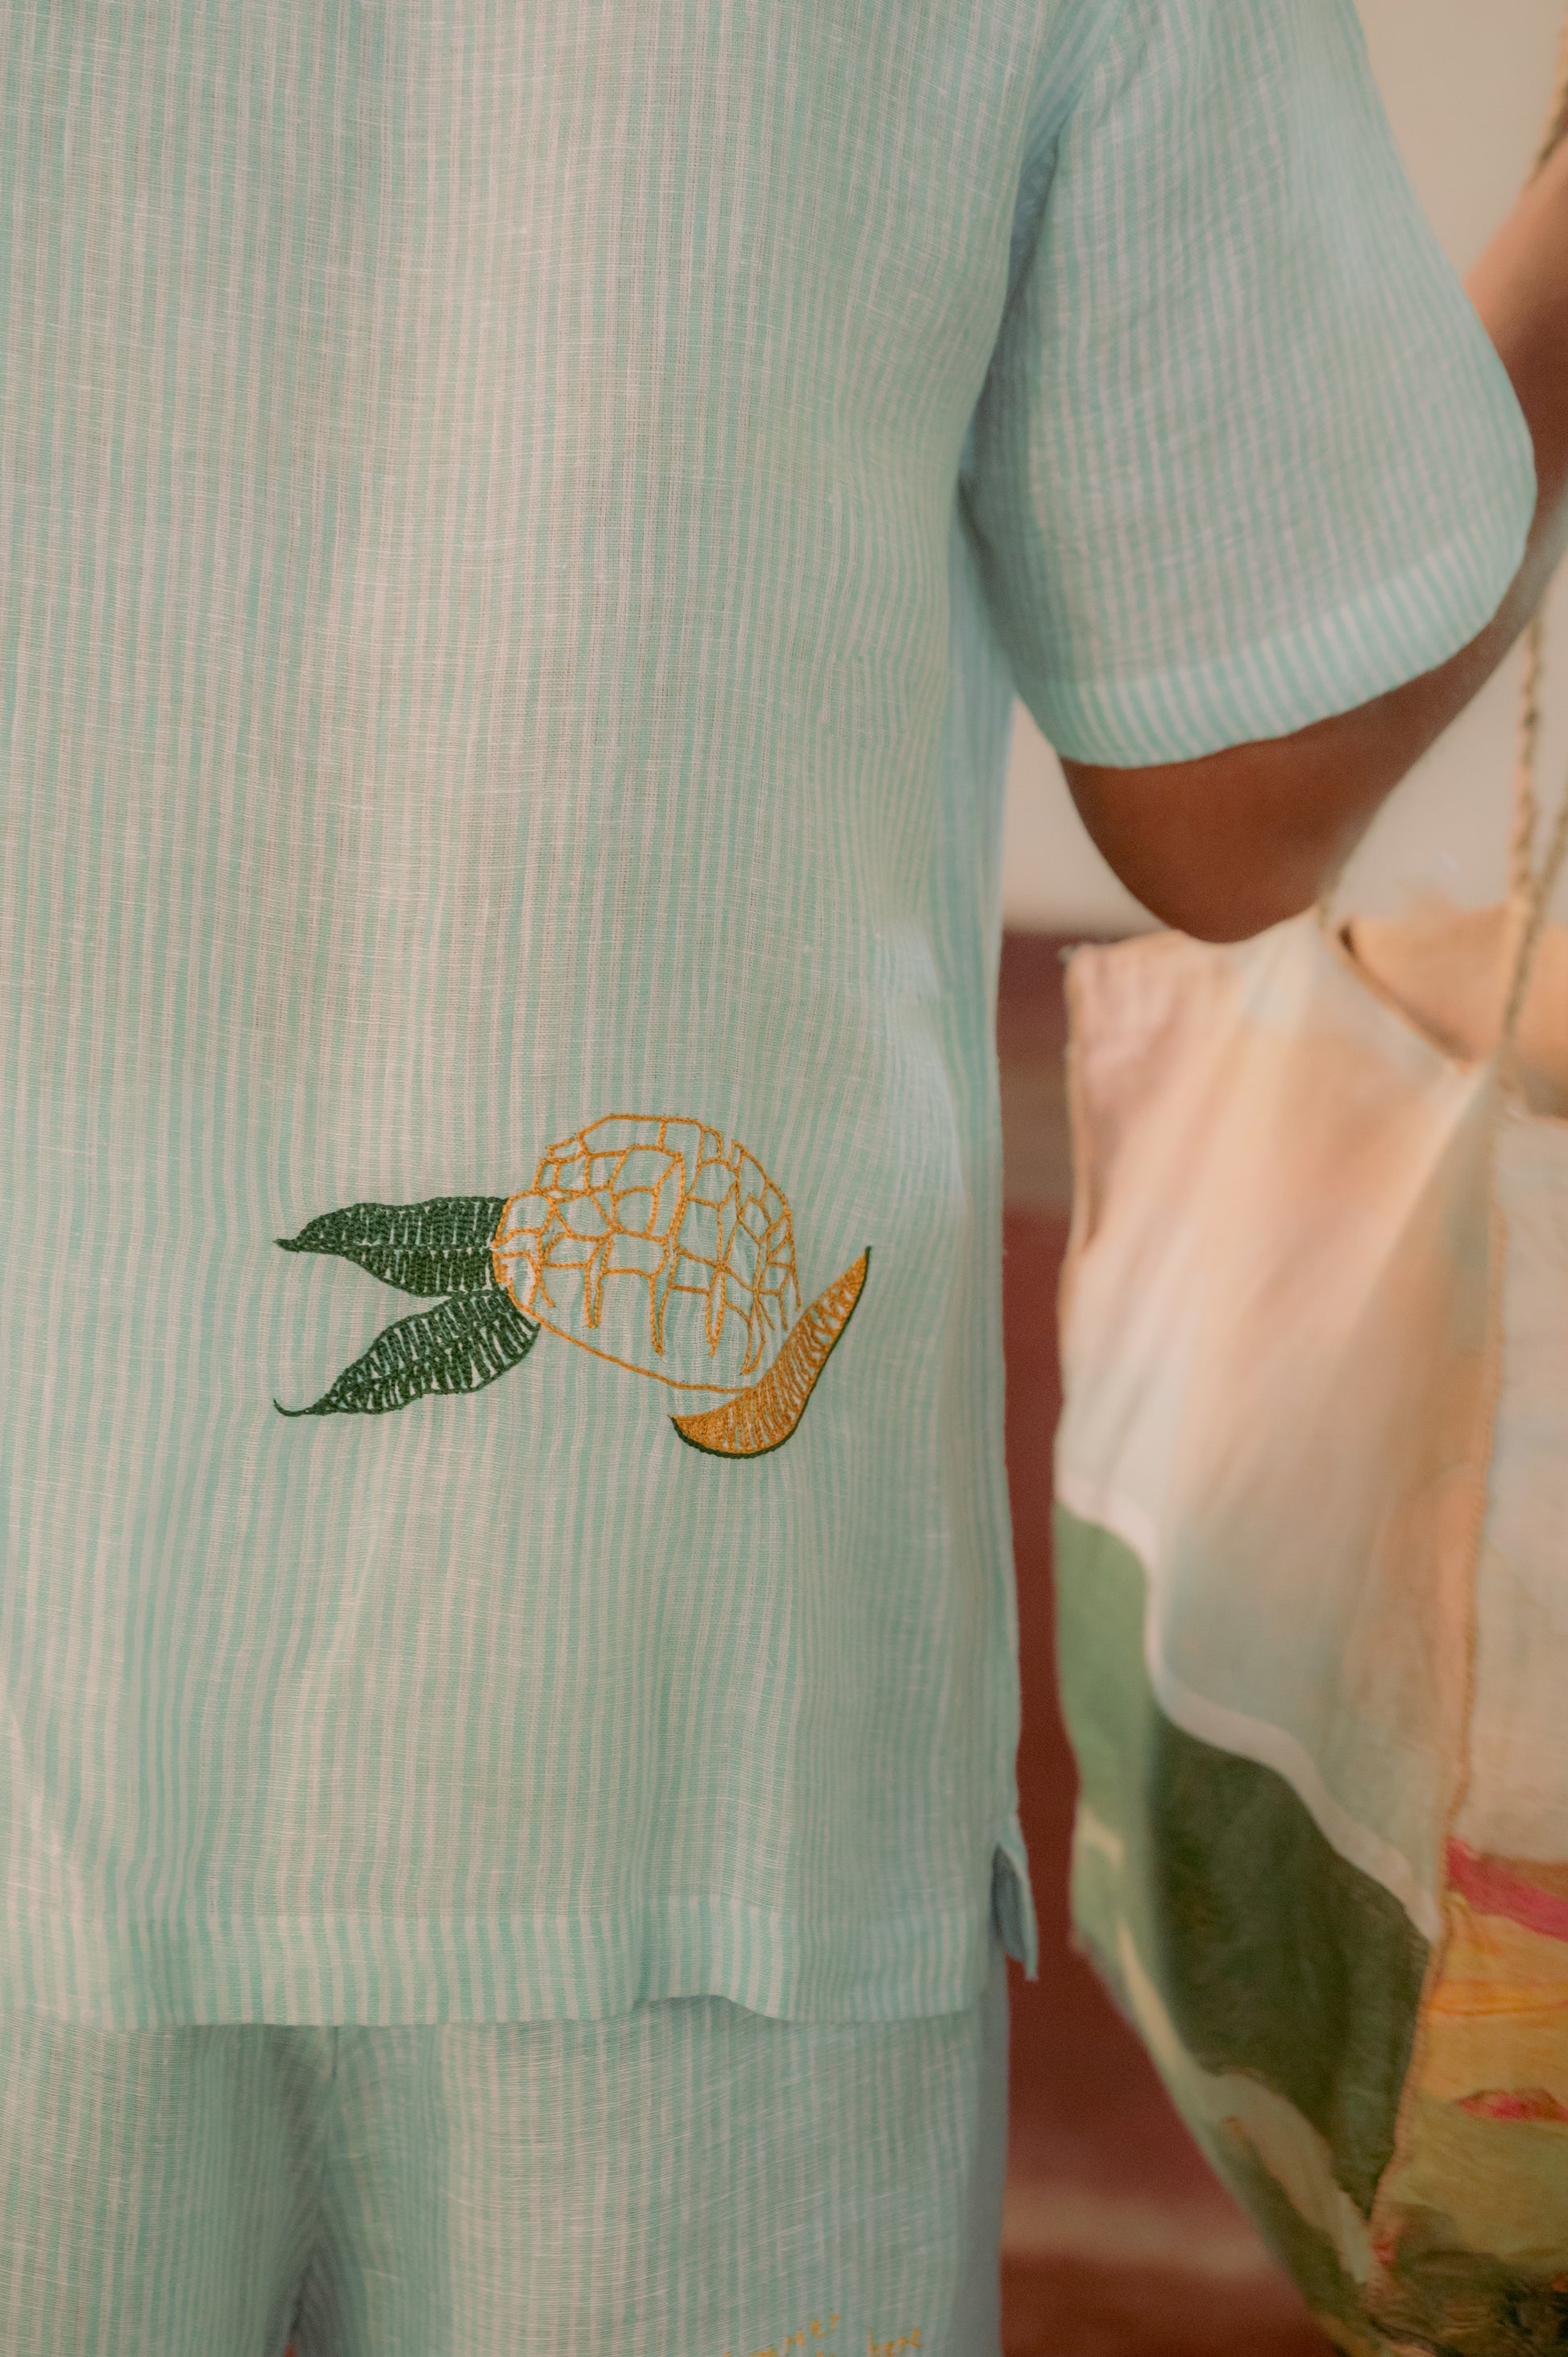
{"points": [[1530, 888]]}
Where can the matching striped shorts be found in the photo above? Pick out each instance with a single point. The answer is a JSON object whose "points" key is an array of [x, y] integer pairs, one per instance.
{"points": [[685, 2181]]}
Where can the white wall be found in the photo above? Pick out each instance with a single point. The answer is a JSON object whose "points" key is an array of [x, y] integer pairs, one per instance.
{"points": [[1467, 84]]}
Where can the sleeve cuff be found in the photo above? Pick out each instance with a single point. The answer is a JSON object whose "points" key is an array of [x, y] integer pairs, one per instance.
{"points": [[1402, 625]]}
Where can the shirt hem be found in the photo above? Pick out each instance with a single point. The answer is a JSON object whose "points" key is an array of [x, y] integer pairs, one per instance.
{"points": [[382, 1970]]}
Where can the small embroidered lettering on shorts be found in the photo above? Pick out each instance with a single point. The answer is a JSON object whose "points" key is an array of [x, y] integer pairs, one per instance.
{"points": [[649, 1240], [811, 2338]]}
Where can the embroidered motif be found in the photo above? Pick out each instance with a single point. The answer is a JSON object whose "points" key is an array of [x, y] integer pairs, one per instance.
{"points": [[649, 1240], [810, 2339]]}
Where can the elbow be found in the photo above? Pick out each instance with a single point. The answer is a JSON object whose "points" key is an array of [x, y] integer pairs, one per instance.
{"points": [[1223, 848], [1224, 897], [1238, 912]]}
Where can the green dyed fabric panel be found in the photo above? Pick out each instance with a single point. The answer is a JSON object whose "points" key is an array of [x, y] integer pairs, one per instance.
{"points": [[1277, 1955], [1271, 1953], [1308, 2254]]}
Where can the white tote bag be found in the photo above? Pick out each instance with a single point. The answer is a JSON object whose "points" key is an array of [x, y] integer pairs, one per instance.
{"points": [[1312, 1567]]}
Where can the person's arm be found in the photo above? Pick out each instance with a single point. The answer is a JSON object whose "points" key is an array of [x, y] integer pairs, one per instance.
{"points": [[1223, 846]]}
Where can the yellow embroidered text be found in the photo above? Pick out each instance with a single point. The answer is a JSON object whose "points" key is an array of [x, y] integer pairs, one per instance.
{"points": [[808, 2337]]}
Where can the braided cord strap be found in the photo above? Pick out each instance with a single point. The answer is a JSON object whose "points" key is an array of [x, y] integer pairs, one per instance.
{"points": [[1529, 888]]}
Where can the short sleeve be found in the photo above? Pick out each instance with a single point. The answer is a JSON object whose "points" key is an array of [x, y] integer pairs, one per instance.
{"points": [[1245, 455]]}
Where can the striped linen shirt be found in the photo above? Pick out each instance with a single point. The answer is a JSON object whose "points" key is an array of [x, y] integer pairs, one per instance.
{"points": [[521, 528]]}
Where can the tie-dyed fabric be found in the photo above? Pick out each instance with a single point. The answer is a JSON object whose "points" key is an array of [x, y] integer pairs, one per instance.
{"points": [[1311, 1480], [520, 525]]}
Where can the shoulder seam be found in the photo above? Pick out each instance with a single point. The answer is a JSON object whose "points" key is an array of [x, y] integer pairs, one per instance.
{"points": [[1042, 140], [1095, 49]]}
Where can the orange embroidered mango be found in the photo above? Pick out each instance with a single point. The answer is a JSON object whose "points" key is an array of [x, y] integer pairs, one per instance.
{"points": [[651, 1241]]}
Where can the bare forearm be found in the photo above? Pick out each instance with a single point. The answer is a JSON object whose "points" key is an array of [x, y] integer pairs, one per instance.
{"points": [[1226, 846]]}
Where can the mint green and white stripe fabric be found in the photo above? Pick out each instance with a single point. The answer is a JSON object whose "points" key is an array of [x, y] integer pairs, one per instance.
{"points": [[519, 531], [1247, 458], [689, 2181]]}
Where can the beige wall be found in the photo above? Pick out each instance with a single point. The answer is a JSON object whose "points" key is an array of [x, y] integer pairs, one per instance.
{"points": [[1467, 84]]}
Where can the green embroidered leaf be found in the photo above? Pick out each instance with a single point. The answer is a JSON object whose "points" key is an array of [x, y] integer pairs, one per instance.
{"points": [[441, 1246], [459, 1346]]}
